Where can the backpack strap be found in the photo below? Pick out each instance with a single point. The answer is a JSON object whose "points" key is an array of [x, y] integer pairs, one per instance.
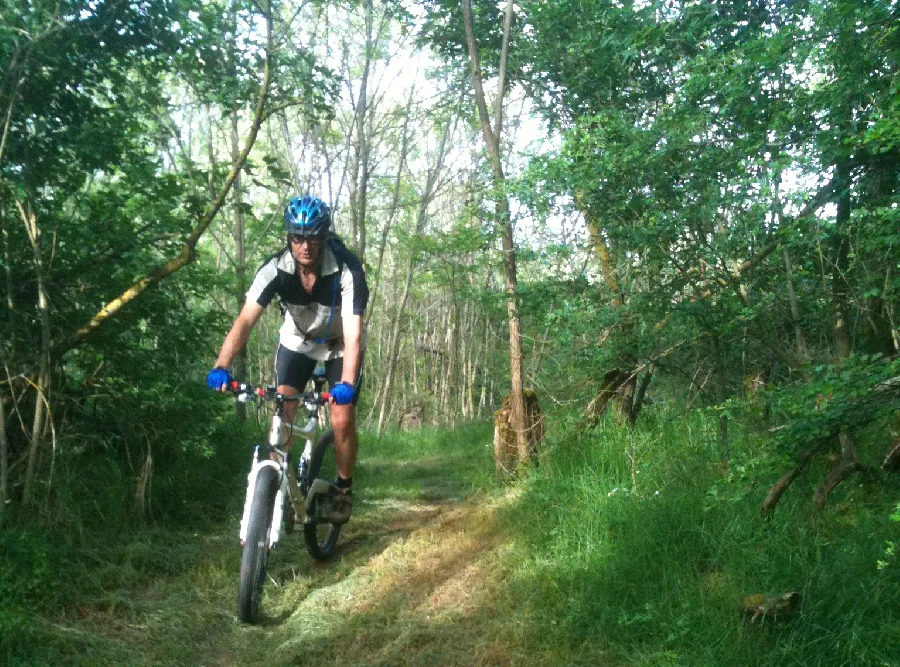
{"points": [[333, 244]]}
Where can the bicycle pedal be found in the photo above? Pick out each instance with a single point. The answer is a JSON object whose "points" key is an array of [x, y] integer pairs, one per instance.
{"points": [[318, 502], [318, 510]]}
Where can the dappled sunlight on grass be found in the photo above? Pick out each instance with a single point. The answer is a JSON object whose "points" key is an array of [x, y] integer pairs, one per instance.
{"points": [[431, 597], [570, 565]]}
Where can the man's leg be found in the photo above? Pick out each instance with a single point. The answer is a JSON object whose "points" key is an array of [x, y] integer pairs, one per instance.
{"points": [[346, 438], [343, 419], [346, 444], [292, 372]]}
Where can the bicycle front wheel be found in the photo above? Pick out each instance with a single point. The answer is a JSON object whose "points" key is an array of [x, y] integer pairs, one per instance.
{"points": [[256, 545], [321, 538]]}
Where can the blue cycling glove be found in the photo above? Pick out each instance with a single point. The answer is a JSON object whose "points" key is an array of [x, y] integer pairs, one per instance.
{"points": [[343, 393], [217, 377]]}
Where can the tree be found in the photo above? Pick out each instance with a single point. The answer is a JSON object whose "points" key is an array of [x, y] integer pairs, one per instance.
{"points": [[492, 141]]}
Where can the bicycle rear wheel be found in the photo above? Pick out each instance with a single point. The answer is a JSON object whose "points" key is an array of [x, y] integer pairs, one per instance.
{"points": [[256, 545], [321, 538]]}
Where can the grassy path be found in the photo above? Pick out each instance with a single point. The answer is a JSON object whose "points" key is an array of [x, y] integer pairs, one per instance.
{"points": [[440, 567], [409, 580], [414, 581]]}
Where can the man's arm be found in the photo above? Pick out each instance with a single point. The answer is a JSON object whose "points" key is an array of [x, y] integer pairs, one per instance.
{"points": [[352, 336], [239, 334]]}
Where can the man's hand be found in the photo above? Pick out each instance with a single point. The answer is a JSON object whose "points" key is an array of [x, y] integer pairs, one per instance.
{"points": [[219, 379], [342, 393]]}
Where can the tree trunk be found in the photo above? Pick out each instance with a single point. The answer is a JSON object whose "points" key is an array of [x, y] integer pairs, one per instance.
{"points": [[422, 217], [395, 201], [359, 189], [492, 140], [849, 460], [394, 348], [639, 396], [799, 340], [42, 388], [4, 464], [240, 259], [7, 271]]}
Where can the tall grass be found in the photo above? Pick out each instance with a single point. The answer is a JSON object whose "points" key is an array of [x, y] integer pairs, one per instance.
{"points": [[83, 547], [655, 572], [621, 547]]}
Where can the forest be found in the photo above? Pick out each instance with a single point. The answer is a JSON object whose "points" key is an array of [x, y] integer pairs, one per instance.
{"points": [[632, 378]]}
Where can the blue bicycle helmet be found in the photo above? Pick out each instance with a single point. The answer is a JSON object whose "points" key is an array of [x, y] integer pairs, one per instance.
{"points": [[307, 216]]}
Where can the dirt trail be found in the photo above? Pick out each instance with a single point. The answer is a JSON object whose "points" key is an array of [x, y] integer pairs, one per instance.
{"points": [[416, 600], [411, 583]]}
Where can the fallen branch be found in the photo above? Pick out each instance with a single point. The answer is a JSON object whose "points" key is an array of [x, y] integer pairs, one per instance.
{"points": [[891, 461], [846, 466], [837, 475], [779, 487]]}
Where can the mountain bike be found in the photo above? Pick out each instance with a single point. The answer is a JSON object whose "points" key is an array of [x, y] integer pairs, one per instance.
{"points": [[277, 495]]}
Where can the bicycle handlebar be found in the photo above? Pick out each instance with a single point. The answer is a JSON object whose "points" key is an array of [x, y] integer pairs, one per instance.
{"points": [[269, 393]]}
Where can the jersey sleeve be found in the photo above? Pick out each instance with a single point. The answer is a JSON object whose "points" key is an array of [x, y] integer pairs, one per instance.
{"points": [[265, 284], [354, 291]]}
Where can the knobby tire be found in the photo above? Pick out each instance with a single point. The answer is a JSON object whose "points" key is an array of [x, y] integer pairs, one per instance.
{"points": [[256, 545], [321, 538]]}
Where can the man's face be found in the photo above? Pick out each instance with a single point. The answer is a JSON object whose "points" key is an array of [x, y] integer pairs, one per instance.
{"points": [[305, 249]]}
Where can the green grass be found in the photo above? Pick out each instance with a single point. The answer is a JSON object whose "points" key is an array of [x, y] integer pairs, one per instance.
{"points": [[655, 575], [570, 565], [429, 464], [85, 591]]}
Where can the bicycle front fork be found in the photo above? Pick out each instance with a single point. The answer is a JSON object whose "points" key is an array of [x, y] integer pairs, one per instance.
{"points": [[282, 496]]}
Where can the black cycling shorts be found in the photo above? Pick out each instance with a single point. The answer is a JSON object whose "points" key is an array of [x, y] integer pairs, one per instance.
{"points": [[294, 369]]}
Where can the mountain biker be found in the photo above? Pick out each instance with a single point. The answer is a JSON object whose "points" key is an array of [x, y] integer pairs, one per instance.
{"points": [[323, 292]]}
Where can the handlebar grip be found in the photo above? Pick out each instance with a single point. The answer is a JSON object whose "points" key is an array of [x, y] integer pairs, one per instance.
{"points": [[326, 396]]}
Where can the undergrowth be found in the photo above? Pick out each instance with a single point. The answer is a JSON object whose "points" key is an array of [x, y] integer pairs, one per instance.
{"points": [[651, 561], [620, 547]]}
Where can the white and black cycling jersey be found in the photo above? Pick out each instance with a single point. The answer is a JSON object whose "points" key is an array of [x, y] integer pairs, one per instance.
{"points": [[313, 322]]}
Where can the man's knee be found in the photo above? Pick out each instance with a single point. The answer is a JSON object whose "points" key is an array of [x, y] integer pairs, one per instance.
{"points": [[343, 420]]}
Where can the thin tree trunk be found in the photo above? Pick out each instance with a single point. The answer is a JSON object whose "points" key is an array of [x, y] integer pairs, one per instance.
{"points": [[395, 201], [42, 388], [492, 140], [422, 217], [359, 189], [483, 357], [799, 340], [849, 461], [240, 259], [639, 396], [288, 143], [395, 346], [539, 351], [4, 464], [414, 369], [7, 270]]}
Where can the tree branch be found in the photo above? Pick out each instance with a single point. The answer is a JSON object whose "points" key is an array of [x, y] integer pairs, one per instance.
{"points": [[187, 252]]}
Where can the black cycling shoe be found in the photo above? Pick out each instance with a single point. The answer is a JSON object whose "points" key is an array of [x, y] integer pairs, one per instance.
{"points": [[340, 505]]}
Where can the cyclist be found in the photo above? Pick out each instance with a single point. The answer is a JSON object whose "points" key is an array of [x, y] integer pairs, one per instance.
{"points": [[323, 293]]}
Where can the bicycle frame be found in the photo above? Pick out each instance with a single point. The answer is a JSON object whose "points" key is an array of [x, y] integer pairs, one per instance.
{"points": [[288, 487]]}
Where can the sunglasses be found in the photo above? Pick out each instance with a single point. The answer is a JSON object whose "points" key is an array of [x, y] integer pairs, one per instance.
{"points": [[300, 240]]}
